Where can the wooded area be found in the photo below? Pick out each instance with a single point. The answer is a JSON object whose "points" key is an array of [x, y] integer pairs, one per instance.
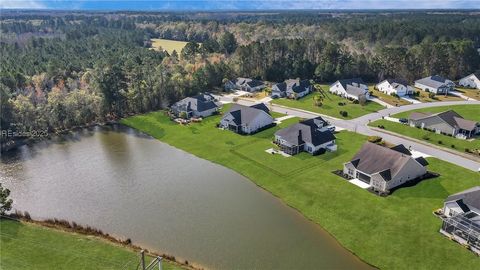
{"points": [[64, 70]]}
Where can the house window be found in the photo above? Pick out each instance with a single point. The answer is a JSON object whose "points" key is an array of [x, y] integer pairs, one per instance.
{"points": [[350, 172]]}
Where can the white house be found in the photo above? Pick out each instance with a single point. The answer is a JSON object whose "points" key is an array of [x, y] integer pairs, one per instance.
{"points": [[292, 89], [471, 81], [461, 218], [391, 87], [245, 84], [201, 105], [247, 120], [350, 88], [435, 84]]}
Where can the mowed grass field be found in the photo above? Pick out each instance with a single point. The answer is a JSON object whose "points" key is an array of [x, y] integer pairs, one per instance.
{"points": [[168, 45], [396, 232], [30, 246], [471, 112], [330, 105]]}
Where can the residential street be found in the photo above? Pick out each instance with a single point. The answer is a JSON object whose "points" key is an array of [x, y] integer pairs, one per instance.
{"points": [[359, 125]]}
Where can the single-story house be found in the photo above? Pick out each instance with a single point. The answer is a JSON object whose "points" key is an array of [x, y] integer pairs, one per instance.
{"points": [[310, 136], [244, 84], [391, 86], [201, 105], [461, 218], [350, 88], [471, 81], [247, 119], [435, 84], [385, 168], [448, 122], [292, 89]]}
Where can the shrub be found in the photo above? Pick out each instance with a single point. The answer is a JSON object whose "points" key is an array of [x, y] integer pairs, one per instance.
{"points": [[425, 137], [375, 139], [431, 95], [381, 126], [440, 142], [344, 113], [355, 102], [453, 145]]}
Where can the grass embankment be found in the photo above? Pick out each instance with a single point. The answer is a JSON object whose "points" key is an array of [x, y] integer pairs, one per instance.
{"points": [[168, 45], [470, 112], [397, 232], [472, 93], [330, 105], [423, 97], [31, 246]]}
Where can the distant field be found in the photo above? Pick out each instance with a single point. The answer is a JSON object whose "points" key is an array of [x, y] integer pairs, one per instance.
{"points": [[168, 45]]}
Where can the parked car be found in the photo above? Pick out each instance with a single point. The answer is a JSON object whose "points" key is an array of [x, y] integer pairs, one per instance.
{"points": [[331, 128]]}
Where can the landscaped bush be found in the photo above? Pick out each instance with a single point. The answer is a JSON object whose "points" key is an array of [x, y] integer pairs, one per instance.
{"points": [[425, 137], [344, 113], [440, 142], [453, 146], [356, 102], [341, 104], [381, 126], [375, 139], [320, 151]]}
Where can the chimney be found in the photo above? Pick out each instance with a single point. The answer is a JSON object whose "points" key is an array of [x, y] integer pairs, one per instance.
{"points": [[300, 138]]}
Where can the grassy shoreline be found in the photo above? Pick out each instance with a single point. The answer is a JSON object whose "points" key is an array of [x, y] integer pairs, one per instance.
{"points": [[397, 232], [54, 246]]}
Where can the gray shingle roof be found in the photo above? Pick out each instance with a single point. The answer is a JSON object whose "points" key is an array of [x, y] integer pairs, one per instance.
{"points": [[434, 81], [244, 114], [201, 102], [306, 131], [345, 82], [470, 197], [373, 158], [450, 117], [355, 91]]}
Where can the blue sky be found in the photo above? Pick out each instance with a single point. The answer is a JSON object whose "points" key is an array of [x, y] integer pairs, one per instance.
{"points": [[238, 5]]}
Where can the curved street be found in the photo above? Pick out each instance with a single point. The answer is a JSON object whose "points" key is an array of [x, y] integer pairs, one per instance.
{"points": [[360, 125]]}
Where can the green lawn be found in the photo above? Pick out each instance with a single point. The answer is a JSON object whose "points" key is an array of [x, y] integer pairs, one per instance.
{"points": [[397, 232], [168, 45], [429, 136], [471, 112], [330, 105], [30, 246]]}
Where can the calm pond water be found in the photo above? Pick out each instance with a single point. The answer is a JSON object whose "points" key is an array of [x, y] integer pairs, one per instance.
{"points": [[130, 185]]}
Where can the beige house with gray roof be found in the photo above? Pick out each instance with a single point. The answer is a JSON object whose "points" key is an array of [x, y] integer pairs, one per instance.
{"points": [[448, 122], [384, 168]]}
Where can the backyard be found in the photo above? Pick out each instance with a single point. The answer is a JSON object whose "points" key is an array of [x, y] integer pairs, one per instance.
{"points": [[394, 101], [330, 105], [470, 112], [30, 246], [471, 93], [396, 232]]}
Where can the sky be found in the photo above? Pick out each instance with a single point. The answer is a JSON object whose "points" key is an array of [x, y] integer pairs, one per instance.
{"points": [[203, 5]]}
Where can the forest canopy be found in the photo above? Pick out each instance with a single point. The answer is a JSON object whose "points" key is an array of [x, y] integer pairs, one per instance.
{"points": [[66, 69]]}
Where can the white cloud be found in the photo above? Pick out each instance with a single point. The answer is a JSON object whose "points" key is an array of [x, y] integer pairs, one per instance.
{"points": [[23, 4]]}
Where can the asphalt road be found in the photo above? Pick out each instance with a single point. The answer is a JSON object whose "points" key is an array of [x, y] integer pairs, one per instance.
{"points": [[359, 125]]}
